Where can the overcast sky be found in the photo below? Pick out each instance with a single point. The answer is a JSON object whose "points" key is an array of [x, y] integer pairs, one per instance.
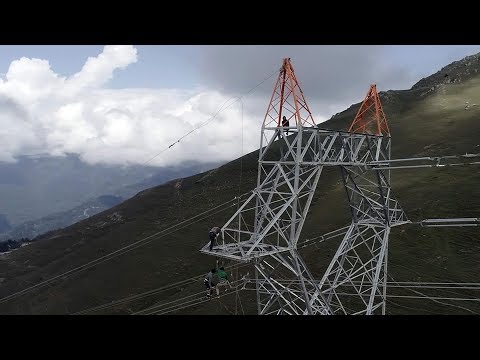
{"points": [[125, 104]]}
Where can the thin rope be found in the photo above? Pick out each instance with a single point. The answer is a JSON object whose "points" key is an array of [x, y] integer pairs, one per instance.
{"points": [[239, 189]]}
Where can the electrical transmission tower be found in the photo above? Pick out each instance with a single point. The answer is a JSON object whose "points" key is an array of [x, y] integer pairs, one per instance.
{"points": [[266, 228]]}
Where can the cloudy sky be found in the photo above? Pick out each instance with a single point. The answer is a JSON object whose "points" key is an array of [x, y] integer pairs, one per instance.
{"points": [[125, 104]]}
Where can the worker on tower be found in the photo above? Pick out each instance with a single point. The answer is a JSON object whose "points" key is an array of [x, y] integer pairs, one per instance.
{"points": [[285, 123], [222, 278], [210, 281], [213, 234]]}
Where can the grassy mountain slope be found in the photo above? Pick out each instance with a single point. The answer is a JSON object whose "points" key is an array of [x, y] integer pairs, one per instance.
{"points": [[432, 118]]}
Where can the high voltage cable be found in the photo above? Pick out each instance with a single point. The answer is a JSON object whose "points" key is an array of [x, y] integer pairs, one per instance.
{"points": [[117, 252]]}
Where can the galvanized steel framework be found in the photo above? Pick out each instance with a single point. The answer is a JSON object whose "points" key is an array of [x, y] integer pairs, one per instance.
{"points": [[267, 227]]}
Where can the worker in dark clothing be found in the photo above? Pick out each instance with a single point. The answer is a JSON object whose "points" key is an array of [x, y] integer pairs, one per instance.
{"points": [[285, 123], [210, 281], [213, 234]]}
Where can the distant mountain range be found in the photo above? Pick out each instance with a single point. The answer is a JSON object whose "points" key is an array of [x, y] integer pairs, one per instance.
{"points": [[70, 166]]}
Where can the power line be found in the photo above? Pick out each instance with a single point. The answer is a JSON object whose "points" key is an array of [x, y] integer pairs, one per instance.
{"points": [[168, 287], [401, 284], [117, 252], [437, 300], [236, 98], [149, 293], [99, 260], [341, 231], [157, 309], [305, 243]]}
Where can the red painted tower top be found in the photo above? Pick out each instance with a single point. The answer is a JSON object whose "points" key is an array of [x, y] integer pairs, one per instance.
{"points": [[287, 106], [370, 118]]}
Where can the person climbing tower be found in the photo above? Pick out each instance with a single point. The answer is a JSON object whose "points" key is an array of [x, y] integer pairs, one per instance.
{"points": [[223, 279], [213, 234], [210, 282], [285, 123]]}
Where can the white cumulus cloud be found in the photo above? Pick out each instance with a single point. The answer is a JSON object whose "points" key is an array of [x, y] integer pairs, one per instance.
{"points": [[43, 112]]}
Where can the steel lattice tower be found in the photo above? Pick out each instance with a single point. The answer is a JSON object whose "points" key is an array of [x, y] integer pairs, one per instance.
{"points": [[266, 228]]}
